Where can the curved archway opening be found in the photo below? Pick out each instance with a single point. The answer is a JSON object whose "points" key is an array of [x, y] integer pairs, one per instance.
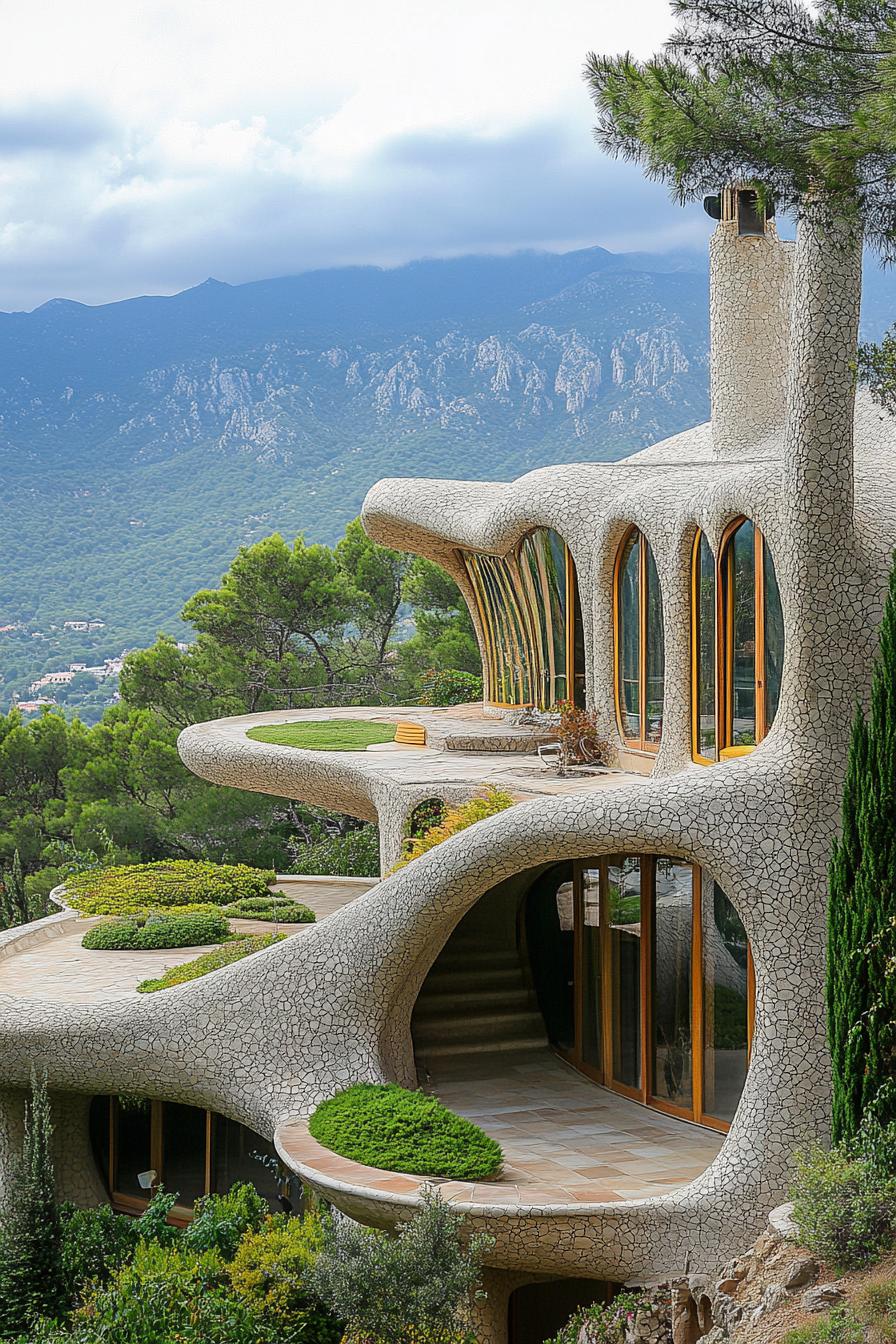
{"points": [[619, 989]]}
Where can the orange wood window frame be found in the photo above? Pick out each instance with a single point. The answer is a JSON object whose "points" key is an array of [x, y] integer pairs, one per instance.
{"points": [[604, 1074], [136, 1204], [724, 659], [639, 743]]}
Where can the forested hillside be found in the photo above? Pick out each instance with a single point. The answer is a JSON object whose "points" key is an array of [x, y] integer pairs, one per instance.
{"points": [[142, 442]]}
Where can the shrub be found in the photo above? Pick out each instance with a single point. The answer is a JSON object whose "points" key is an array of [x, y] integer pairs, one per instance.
{"points": [[429, 813], [604, 1322], [844, 1206], [158, 931], [269, 1272], [280, 908], [95, 1243], [449, 686], [167, 1293], [417, 1286], [355, 854], [221, 1221], [210, 961], [136, 888], [397, 1130], [487, 804], [32, 1281]]}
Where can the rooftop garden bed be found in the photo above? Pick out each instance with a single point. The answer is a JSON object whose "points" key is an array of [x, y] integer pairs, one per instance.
{"points": [[139, 888], [277, 909], [233, 951], [326, 734], [157, 931], [396, 1130]]}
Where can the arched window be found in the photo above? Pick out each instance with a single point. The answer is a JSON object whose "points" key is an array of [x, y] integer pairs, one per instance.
{"points": [[644, 976], [736, 682], [530, 616], [640, 648]]}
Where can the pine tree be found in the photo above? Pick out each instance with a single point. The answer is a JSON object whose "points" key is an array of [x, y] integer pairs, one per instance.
{"points": [[14, 905], [32, 1283], [861, 984]]}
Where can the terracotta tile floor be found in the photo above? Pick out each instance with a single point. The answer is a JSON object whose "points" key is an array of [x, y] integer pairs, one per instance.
{"points": [[565, 1141]]}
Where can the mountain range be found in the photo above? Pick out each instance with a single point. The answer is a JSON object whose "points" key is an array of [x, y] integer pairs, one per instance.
{"points": [[142, 442]]}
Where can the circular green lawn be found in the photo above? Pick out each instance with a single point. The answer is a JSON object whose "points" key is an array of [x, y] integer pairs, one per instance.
{"points": [[325, 734]]}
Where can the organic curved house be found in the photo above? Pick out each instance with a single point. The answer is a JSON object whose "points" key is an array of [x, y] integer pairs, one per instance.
{"points": [[620, 977]]}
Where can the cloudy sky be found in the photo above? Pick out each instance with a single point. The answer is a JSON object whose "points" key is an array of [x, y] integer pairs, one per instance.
{"points": [[148, 144]]}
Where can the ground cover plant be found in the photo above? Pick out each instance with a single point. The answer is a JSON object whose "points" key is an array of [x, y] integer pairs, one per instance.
{"points": [[325, 734], [455, 819], [157, 931], [235, 950], [130, 889], [389, 1127], [278, 908], [844, 1199]]}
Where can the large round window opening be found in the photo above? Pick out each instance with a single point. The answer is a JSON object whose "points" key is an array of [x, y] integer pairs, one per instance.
{"points": [[644, 977], [640, 645]]}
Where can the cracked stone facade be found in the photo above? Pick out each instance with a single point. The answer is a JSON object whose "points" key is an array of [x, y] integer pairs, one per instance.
{"points": [[264, 1040]]}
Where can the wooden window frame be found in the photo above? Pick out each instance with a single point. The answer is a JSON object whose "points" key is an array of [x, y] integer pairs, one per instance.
{"points": [[180, 1215], [644, 1094], [640, 743], [724, 656]]}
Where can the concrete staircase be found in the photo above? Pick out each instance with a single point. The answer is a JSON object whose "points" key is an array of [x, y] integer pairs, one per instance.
{"points": [[475, 1000]]}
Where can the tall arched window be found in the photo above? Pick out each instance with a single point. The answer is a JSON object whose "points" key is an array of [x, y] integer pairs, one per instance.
{"points": [[531, 621], [640, 648], [736, 681]]}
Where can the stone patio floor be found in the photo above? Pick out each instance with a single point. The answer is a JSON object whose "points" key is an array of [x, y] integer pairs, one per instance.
{"points": [[559, 1129], [566, 1141], [57, 969]]}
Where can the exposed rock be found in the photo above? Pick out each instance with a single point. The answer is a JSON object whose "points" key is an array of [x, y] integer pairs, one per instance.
{"points": [[801, 1272], [822, 1297]]}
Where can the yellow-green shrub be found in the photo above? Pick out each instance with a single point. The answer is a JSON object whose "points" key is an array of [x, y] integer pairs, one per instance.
{"points": [[458, 818], [132, 889], [210, 961], [268, 1274]]}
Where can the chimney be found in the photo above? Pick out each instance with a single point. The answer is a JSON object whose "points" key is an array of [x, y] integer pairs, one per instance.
{"points": [[749, 323]]}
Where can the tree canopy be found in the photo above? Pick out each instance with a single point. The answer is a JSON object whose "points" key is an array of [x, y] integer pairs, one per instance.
{"points": [[797, 102]]}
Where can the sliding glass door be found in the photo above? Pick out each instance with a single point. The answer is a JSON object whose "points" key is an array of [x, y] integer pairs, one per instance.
{"points": [[652, 964]]}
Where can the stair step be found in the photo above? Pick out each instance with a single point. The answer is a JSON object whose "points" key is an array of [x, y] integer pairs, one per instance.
{"points": [[486, 1026], [447, 1002], [448, 1049]]}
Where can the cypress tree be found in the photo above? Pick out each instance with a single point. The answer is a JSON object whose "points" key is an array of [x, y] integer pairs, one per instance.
{"points": [[32, 1283], [861, 984]]}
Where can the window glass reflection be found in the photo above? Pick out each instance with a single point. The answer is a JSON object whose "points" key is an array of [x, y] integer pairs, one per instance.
{"points": [[624, 903], [591, 969], [705, 709], [742, 580], [774, 637], [629, 655], [673, 905], [656, 652], [725, 1004]]}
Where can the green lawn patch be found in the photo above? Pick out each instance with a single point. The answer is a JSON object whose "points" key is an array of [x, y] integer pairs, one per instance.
{"points": [[326, 734], [276, 909], [396, 1130], [210, 961]]}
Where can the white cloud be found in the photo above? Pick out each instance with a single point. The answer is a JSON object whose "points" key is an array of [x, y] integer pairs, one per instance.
{"points": [[145, 146]]}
